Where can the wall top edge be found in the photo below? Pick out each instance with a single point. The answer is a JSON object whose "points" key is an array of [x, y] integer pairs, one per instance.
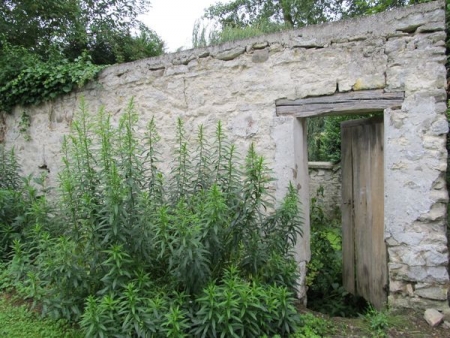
{"points": [[321, 165], [397, 22]]}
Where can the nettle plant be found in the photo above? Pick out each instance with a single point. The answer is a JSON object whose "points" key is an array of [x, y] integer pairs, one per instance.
{"points": [[195, 253]]}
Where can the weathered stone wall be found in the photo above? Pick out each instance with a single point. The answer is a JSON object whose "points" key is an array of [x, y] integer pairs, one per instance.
{"points": [[326, 176], [238, 83]]}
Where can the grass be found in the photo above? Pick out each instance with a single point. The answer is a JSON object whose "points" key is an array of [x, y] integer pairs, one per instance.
{"points": [[16, 321]]}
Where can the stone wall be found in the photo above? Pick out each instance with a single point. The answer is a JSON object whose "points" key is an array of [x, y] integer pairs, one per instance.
{"points": [[397, 51], [326, 176]]}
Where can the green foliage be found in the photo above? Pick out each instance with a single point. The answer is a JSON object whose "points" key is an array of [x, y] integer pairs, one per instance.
{"points": [[43, 81], [73, 27], [314, 327], [18, 321], [52, 47], [238, 308], [315, 127], [324, 137], [378, 322], [24, 126], [239, 19], [126, 47], [21, 203], [356, 8], [326, 293], [10, 178], [331, 137], [241, 13], [130, 252], [202, 36]]}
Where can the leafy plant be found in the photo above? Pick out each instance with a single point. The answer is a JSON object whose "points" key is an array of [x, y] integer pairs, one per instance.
{"points": [[128, 247], [42, 81], [238, 308], [22, 203], [378, 322], [312, 326], [10, 178], [18, 321], [326, 293]]}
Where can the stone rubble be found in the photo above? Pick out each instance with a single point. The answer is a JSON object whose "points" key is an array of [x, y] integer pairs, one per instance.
{"points": [[433, 317]]}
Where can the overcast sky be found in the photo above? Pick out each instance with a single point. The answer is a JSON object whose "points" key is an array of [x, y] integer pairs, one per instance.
{"points": [[173, 20]]}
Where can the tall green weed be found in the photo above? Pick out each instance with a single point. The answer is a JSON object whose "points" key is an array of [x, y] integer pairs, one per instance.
{"points": [[134, 252], [22, 203]]}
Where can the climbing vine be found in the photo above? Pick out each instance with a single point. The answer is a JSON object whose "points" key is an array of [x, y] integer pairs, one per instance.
{"points": [[40, 81]]}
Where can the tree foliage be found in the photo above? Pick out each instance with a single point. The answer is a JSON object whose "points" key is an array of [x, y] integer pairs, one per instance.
{"points": [[292, 13], [296, 13], [50, 47], [257, 17], [104, 28]]}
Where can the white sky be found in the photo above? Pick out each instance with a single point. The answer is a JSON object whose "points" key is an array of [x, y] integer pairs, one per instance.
{"points": [[173, 20]]}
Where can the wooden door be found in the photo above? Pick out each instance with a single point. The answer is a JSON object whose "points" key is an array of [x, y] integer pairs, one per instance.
{"points": [[363, 246]]}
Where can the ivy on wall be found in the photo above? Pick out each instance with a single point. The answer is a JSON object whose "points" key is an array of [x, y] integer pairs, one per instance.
{"points": [[37, 81]]}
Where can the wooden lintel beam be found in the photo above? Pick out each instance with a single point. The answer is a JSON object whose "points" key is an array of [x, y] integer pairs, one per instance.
{"points": [[352, 102]]}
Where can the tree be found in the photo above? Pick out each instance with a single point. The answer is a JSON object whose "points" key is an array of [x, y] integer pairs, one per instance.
{"points": [[292, 13], [272, 15], [103, 28], [50, 47]]}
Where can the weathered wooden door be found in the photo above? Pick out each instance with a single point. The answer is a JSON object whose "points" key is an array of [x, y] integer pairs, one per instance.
{"points": [[363, 246]]}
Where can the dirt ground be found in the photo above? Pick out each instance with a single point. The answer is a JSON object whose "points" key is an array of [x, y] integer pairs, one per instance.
{"points": [[407, 324]]}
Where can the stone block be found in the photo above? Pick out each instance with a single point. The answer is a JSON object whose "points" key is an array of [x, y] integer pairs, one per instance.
{"points": [[431, 27], [230, 54], [307, 42], [432, 292], [396, 286], [433, 317], [394, 45], [409, 290], [424, 303], [398, 301], [260, 56], [440, 126], [374, 81], [260, 45]]}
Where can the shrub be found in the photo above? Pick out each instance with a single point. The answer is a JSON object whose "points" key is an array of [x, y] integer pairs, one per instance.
{"points": [[136, 253]]}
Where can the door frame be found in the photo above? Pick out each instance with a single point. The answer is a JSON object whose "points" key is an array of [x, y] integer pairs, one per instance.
{"points": [[297, 111]]}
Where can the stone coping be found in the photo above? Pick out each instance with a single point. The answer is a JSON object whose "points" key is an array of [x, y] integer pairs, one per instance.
{"points": [[396, 22], [323, 165]]}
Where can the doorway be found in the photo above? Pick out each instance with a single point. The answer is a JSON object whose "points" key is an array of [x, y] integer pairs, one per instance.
{"points": [[359, 102]]}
